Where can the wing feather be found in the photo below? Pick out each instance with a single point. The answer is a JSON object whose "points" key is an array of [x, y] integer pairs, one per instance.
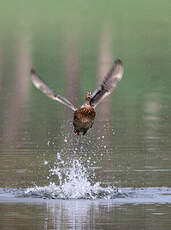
{"points": [[39, 84], [109, 83]]}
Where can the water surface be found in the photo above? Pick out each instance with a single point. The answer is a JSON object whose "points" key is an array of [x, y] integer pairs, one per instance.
{"points": [[118, 175]]}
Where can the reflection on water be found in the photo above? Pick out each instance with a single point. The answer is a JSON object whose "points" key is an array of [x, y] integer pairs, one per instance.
{"points": [[19, 93], [104, 64], [72, 69], [125, 156], [138, 210]]}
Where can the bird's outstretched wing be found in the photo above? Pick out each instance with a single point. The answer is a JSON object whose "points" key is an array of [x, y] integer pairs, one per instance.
{"points": [[39, 84], [109, 83]]}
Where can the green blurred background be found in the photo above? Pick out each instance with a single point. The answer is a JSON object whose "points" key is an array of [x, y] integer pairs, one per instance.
{"points": [[72, 45]]}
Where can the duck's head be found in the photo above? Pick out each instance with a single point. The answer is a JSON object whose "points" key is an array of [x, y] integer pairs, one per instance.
{"points": [[88, 96]]}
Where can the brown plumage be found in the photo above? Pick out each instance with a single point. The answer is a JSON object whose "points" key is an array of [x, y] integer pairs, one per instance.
{"points": [[84, 116]]}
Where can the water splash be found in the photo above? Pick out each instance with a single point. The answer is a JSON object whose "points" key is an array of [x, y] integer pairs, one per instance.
{"points": [[72, 175], [74, 183], [71, 180]]}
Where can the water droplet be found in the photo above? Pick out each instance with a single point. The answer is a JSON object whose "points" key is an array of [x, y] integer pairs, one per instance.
{"points": [[58, 156], [45, 162]]}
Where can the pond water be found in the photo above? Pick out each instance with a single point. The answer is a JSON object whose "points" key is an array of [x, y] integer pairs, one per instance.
{"points": [[117, 176]]}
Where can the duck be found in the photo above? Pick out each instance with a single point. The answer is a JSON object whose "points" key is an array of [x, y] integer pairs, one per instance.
{"points": [[83, 117]]}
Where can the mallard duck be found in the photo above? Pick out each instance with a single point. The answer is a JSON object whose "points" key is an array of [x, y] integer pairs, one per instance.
{"points": [[85, 115]]}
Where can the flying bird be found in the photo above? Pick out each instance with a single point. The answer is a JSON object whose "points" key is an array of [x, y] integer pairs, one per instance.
{"points": [[85, 115]]}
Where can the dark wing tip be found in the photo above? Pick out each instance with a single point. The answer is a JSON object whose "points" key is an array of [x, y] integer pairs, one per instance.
{"points": [[32, 71]]}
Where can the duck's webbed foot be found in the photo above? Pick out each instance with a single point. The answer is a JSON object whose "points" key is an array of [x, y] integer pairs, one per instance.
{"points": [[85, 131]]}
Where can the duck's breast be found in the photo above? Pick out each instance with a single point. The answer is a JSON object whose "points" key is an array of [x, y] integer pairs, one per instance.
{"points": [[84, 117]]}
